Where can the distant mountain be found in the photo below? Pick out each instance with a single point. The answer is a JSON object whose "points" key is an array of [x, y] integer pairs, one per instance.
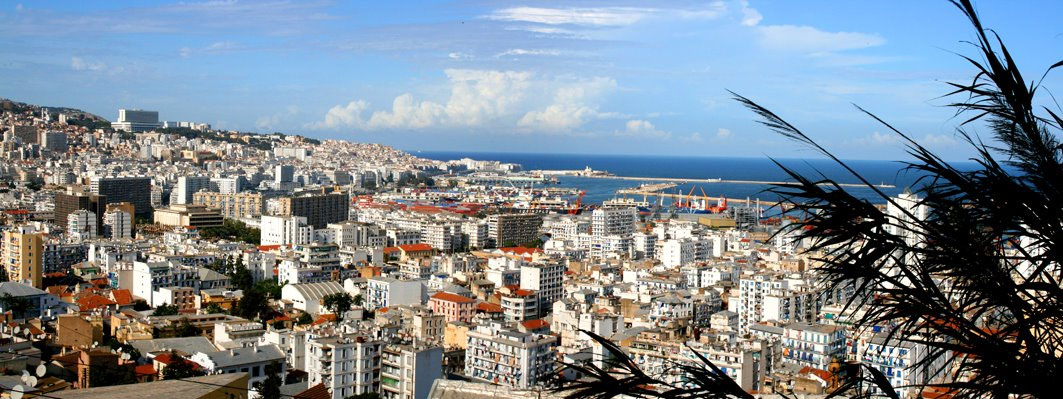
{"points": [[18, 107]]}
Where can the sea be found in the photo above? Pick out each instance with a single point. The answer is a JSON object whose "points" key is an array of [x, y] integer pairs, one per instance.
{"points": [[727, 168]]}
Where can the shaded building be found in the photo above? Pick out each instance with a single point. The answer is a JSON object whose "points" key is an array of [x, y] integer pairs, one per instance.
{"points": [[134, 190], [318, 209], [67, 203]]}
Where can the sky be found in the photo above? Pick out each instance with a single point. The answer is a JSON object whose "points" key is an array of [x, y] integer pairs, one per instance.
{"points": [[528, 76]]}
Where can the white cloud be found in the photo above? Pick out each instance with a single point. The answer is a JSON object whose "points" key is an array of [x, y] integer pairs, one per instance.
{"points": [[750, 16], [938, 140], [573, 105], [806, 39], [345, 116], [80, 64], [642, 128], [458, 56], [534, 52], [692, 138], [273, 122], [723, 133], [600, 16]]}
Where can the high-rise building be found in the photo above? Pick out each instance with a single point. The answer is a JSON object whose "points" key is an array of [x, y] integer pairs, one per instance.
{"points": [[81, 225], [22, 261], [25, 133], [283, 174], [510, 229], [407, 371], [55, 142], [232, 206], [504, 356], [285, 230], [134, 190], [614, 221], [544, 278], [318, 209], [118, 223], [135, 120], [347, 365], [67, 203], [187, 186]]}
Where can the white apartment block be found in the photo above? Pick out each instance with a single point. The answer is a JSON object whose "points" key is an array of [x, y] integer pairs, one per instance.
{"points": [[407, 371], [507, 357], [285, 230], [345, 364], [385, 291], [546, 280]]}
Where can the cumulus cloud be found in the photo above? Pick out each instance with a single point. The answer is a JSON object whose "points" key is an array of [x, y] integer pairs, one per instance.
{"points": [[642, 128], [274, 121], [80, 64], [485, 98], [723, 133], [520, 51], [600, 16], [573, 105]]}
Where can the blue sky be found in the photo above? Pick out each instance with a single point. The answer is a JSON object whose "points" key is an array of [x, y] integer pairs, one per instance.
{"points": [[530, 76]]}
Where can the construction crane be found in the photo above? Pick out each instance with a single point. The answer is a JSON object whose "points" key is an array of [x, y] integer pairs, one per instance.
{"points": [[579, 204]]}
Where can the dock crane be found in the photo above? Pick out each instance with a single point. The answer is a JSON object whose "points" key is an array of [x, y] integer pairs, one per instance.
{"points": [[579, 204]]}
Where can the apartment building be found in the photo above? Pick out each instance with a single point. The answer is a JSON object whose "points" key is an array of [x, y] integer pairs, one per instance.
{"points": [[504, 356], [23, 260], [232, 206]]}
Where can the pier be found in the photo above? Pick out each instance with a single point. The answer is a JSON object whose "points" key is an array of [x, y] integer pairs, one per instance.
{"points": [[685, 180]]}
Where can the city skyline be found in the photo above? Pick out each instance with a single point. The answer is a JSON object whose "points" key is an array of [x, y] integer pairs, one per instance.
{"points": [[517, 77]]}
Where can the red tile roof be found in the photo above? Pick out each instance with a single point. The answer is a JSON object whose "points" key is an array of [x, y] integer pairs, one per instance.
{"points": [[268, 247], [318, 391], [535, 324], [446, 296], [416, 247], [94, 301], [122, 297], [822, 374], [145, 370], [521, 250], [488, 307]]}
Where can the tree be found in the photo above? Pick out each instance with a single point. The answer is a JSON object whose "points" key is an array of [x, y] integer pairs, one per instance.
{"points": [[338, 303], [17, 305], [140, 305], [358, 300], [165, 310], [186, 329], [180, 367], [270, 288], [214, 309], [253, 305], [975, 279], [241, 277], [270, 388], [304, 319]]}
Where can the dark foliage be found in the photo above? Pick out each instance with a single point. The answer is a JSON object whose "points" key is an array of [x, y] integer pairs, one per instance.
{"points": [[165, 310], [338, 303], [270, 388], [180, 368], [968, 268], [233, 230]]}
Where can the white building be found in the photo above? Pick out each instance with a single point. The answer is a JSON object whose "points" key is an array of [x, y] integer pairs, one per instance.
{"points": [[118, 223], [81, 225], [252, 360], [614, 221], [545, 279], [187, 186], [344, 364], [285, 230], [508, 357], [408, 371], [386, 291], [307, 297]]}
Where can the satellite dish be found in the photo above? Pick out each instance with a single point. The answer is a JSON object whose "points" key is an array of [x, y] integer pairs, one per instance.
{"points": [[18, 329], [25, 374], [41, 370], [31, 381], [95, 344], [126, 356], [17, 391]]}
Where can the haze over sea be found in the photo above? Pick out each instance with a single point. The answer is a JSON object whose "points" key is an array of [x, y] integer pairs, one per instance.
{"points": [[727, 168]]}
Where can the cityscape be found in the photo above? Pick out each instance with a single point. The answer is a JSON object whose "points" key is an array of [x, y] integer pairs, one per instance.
{"points": [[148, 255]]}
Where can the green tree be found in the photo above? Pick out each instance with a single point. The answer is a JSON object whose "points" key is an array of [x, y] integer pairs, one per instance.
{"points": [[214, 309], [17, 305], [338, 303], [305, 319], [186, 329], [254, 305], [241, 277], [270, 388], [166, 310], [140, 305], [270, 288], [358, 300], [180, 368]]}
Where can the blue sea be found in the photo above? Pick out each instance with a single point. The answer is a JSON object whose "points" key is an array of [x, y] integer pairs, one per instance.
{"points": [[726, 168]]}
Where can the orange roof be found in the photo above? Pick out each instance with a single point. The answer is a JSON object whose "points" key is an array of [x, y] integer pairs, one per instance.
{"points": [[521, 250], [318, 391], [446, 296], [416, 247], [146, 369], [122, 297], [488, 307], [268, 247], [94, 301], [822, 374], [535, 324], [389, 250], [325, 318]]}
